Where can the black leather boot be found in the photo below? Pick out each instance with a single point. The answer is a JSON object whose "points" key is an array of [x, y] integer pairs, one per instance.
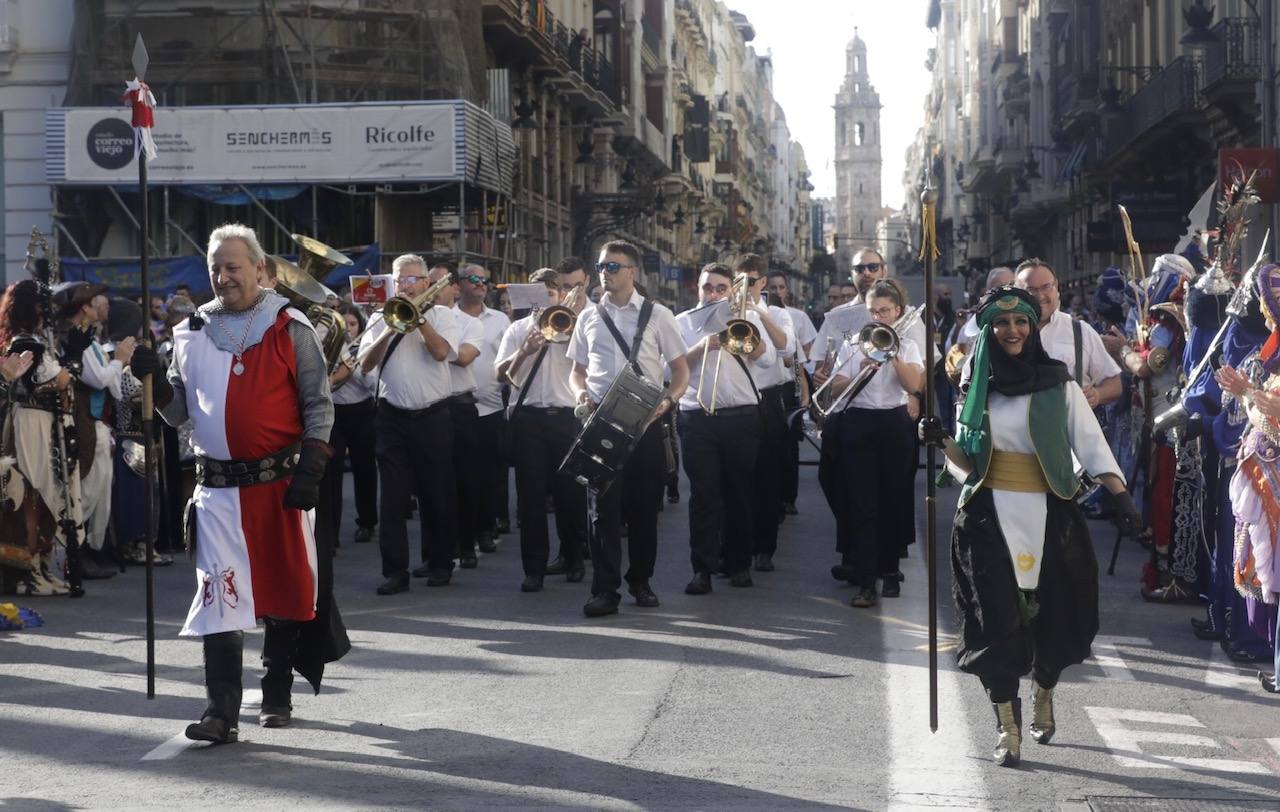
{"points": [[223, 660], [279, 644]]}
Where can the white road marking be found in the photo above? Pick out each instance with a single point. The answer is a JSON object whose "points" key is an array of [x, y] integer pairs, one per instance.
{"points": [[1275, 745], [1222, 673], [169, 748], [1106, 655], [1124, 741]]}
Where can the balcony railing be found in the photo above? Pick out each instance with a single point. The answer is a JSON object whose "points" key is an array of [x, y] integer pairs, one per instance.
{"points": [[1237, 54], [1174, 89], [652, 38], [589, 63]]}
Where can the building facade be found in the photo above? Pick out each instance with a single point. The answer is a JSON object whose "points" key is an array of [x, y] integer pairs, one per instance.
{"points": [[858, 166]]}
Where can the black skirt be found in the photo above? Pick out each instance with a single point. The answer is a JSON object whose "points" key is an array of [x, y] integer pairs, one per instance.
{"points": [[997, 640]]}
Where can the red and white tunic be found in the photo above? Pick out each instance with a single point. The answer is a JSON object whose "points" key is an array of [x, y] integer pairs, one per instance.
{"points": [[255, 558]]}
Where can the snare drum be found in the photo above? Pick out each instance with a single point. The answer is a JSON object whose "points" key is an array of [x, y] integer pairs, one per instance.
{"points": [[609, 435]]}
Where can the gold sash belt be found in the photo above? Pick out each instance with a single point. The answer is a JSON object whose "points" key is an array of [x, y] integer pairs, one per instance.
{"points": [[1011, 471]]}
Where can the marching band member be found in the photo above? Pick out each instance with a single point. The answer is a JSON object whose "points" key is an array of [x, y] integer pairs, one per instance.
{"points": [[465, 417], [719, 424], [602, 343], [775, 382], [249, 374], [874, 447], [415, 434], [354, 438], [543, 428], [798, 394], [1026, 585]]}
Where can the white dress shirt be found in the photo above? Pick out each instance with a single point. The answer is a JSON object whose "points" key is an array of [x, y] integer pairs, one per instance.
{"points": [[1059, 341], [802, 325], [494, 324], [777, 374], [884, 391], [550, 387], [840, 322], [735, 388], [470, 332], [593, 346], [100, 372], [411, 378]]}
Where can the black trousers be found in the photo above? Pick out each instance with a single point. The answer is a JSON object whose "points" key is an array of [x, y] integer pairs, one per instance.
{"points": [[789, 477], [354, 436], [767, 500], [634, 496], [720, 460], [469, 471], [830, 471], [415, 457], [1005, 688], [540, 439], [673, 470], [491, 437], [875, 450]]}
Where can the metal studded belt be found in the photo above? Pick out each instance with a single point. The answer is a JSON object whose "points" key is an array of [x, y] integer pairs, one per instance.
{"points": [[237, 473]]}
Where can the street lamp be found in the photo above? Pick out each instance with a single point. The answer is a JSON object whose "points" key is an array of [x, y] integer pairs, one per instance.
{"points": [[1198, 19]]}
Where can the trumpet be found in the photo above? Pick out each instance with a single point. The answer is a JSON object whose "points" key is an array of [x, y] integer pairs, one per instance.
{"points": [[401, 313], [739, 337], [879, 343]]}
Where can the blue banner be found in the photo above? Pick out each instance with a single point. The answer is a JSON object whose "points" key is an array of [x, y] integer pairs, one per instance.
{"points": [[124, 276]]}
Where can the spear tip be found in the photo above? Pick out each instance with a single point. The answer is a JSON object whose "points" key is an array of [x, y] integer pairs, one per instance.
{"points": [[140, 59]]}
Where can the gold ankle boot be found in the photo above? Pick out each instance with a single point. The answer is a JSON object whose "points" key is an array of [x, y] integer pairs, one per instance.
{"points": [[1042, 725], [1009, 723]]}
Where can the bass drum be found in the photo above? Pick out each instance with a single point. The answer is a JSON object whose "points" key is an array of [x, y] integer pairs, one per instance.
{"points": [[609, 435]]}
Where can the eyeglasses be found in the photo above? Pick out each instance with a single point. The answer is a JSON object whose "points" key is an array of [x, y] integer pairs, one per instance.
{"points": [[751, 280], [407, 280], [868, 267], [612, 267], [1041, 290], [477, 280], [710, 288]]}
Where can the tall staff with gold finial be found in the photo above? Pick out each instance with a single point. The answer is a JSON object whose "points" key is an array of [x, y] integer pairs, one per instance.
{"points": [[929, 253]]}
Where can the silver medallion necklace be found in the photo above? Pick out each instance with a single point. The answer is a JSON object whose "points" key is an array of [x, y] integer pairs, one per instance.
{"points": [[238, 352]]}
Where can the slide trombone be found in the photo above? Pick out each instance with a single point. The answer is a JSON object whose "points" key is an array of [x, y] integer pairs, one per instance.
{"points": [[879, 343], [401, 313], [739, 337]]}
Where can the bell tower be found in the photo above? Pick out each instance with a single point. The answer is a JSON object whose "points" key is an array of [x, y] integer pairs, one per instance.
{"points": [[858, 200]]}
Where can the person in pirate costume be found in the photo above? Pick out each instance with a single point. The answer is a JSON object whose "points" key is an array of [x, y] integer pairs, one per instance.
{"points": [[1024, 572], [1255, 486], [1175, 489], [248, 371]]}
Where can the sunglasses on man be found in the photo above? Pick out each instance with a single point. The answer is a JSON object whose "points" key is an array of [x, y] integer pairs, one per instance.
{"points": [[477, 280], [612, 267], [868, 267]]}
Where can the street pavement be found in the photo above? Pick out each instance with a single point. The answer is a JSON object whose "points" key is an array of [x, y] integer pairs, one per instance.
{"points": [[776, 697]]}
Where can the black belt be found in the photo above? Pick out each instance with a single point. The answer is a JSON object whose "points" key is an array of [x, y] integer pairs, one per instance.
{"points": [[548, 411], [412, 413], [732, 411], [464, 399], [236, 473], [780, 388]]}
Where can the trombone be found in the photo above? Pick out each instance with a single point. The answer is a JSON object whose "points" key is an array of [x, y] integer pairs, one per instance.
{"points": [[556, 324], [739, 337], [880, 343], [401, 313]]}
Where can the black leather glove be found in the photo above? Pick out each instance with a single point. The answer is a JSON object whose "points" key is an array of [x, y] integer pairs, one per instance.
{"points": [[74, 343], [304, 490], [932, 432], [1125, 514], [146, 362]]}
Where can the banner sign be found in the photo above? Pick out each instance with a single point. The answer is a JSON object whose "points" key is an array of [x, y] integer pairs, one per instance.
{"points": [[416, 142], [1263, 164]]}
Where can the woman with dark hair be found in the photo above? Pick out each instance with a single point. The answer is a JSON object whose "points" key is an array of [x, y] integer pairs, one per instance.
{"points": [[874, 440], [353, 435], [1025, 580], [33, 490]]}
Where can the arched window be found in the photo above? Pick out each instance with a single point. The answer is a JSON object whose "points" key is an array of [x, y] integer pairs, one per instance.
{"points": [[844, 133], [859, 134]]}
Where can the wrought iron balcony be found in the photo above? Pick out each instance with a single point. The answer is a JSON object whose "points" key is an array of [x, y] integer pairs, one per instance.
{"points": [[1236, 56], [1171, 92]]}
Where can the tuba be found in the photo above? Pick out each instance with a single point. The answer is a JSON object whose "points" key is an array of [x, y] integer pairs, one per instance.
{"points": [[300, 284]]}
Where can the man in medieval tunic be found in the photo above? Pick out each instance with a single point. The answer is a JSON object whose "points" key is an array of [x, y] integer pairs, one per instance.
{"points": [[248, 371]]}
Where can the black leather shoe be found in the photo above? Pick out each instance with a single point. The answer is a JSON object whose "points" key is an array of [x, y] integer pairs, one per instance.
{"points": [[606, 603], [1203, 630], [275, 716], [890, 588], [844, 572], [764, 562], [556, 567], [468, 562], [644, 595], [364, 535], [212, 729], [394, 584], [439, 577], [422, 572], [865, 599], [575, 574], [740, 579], [1268, 683], [484, 542], [531, 583], [700, 585], [1240, 655], [502, 526]]}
